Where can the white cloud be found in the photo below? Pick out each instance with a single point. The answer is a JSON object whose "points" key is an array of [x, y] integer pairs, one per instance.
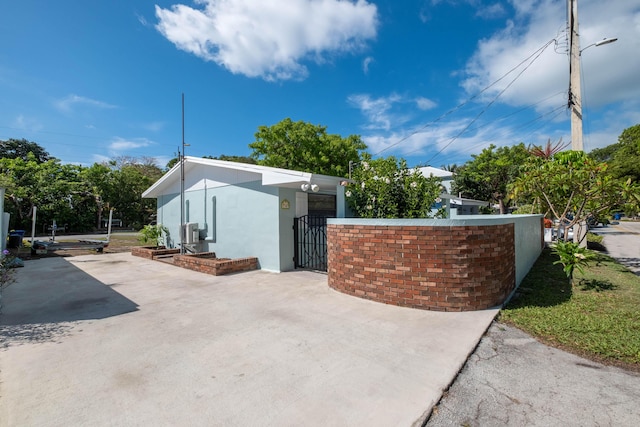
{"points": [[98, 158], [68, 103], [154, 126], [387, 112], [610, 72], [120, 144], [27, 123], [142, 20], [161, 161], [425, 103], [492, 11], [376, 110], [449, 142], [484, 11], [365, 64], [611, 87], [269, 39]]}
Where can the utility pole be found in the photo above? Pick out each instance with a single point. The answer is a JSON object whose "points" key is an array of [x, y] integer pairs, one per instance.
{"points": [[575, 95], [575, 85]]}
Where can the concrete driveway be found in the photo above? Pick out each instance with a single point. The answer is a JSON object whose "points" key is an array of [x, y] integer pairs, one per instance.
{"points": [[116, 340]]}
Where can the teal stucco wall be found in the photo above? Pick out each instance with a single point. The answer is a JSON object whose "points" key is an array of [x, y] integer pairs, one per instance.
{"points": [[236, 221]]}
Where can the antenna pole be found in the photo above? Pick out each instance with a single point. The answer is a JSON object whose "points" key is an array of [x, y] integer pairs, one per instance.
{"points": [[181, 157]]}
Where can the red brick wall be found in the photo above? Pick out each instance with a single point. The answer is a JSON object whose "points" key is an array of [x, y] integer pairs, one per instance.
{"points": [[206, 262], [150, 252], [444, 268]]}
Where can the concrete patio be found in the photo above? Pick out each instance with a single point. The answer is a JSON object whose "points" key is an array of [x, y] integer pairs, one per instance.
{"points": [[113, 339]]}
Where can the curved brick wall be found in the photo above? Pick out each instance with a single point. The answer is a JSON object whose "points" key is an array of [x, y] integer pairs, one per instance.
{"points": [[444, 268]]}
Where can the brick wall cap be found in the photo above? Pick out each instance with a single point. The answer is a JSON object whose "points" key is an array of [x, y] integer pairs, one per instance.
{"points": [[469, 220]]}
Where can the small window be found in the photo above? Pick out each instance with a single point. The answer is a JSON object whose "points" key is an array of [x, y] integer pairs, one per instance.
{"points": [[323, 205]]}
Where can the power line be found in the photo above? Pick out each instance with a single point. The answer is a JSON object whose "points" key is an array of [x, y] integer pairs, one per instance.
{"points": [[459, 106], [535, 56], [556, 112], [47, 144], [520, 110]]}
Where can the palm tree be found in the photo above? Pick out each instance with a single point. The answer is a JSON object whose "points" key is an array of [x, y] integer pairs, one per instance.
{"points": [[549, 150]]}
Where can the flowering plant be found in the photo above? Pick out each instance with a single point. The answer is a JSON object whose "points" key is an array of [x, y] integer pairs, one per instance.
{"points": [[572, 257], [388, 188]]}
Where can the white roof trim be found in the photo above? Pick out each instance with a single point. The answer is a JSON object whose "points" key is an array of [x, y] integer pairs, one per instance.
{"points": [[270, 176], [462, 201], [440, 173]]}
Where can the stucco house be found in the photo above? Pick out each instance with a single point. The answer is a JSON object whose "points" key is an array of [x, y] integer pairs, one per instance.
{"points": [[455, 205], [444, 175], [242, 210]]}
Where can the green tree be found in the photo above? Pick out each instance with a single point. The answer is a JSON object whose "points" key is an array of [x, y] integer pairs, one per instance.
{"points": [[548, 151], [55, 189], [305, 147], [238, 159], [387, 188], [20, 148], [622, 157], [488, 174], [573, 187], [99, 179], [128, 179]]}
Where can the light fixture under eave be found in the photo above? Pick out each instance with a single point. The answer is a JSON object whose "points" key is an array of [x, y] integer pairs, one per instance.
{"points": [[315, 188], [304, 187]]}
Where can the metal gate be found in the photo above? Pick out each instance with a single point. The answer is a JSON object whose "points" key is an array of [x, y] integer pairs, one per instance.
{"points": [[310, 242]]}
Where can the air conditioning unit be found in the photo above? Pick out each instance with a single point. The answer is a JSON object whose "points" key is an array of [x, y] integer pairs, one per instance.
{"points": [[191, 233]]}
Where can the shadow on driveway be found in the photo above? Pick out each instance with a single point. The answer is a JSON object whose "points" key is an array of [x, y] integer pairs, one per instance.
{"points": [[57, 292]]}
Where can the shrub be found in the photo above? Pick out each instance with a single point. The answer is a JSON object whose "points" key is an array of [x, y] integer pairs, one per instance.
{"points": [[572, 257], [154, 233]]}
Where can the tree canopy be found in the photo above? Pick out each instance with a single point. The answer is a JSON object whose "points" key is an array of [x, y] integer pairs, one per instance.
{"points": [[573, 187], [622, 157], [305, 147], [75, 196], [20, 149], [55, 189], [238, 159], [488, 174]]}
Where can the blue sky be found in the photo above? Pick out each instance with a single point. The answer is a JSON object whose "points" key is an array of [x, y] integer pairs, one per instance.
{"points": [[92, 80]]}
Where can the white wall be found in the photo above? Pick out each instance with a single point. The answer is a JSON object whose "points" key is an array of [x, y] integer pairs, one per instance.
{"points": [[528, 237]]}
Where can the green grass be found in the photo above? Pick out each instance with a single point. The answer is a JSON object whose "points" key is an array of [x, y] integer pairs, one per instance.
{"points": [[598, 317], [595, 238]]}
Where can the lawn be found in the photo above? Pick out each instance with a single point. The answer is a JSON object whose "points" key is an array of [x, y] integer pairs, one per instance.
{"points": [[597, 318]]}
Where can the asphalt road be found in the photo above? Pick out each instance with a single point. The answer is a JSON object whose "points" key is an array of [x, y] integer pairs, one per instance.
{"points": [[622, 241], [513, 380]]}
